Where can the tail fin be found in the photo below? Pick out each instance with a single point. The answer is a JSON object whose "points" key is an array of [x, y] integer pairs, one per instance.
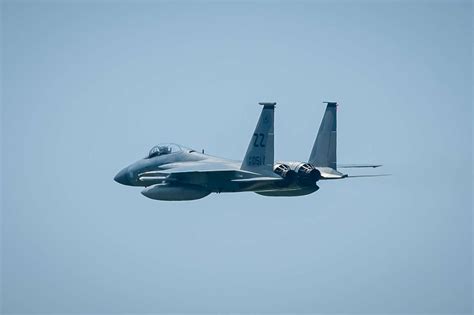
{"points": [[323, 153], [259, 157]]}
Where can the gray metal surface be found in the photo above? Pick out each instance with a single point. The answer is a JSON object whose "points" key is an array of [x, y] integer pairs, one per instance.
{"points": [[173, 172]]}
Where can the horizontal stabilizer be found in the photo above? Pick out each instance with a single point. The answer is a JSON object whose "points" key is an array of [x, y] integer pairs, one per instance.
{"points": [[358, 165], [375, 175]]}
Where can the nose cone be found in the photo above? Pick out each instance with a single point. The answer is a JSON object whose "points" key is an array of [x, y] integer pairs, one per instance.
{"points": [[123, 177]]}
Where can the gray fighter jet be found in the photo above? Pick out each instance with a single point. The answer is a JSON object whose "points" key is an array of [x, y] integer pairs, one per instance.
{"points": [[174, 172]]}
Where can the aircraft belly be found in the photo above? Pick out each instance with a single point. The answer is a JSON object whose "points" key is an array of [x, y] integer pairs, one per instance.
{"points": [[271, 188], [288, 192]]}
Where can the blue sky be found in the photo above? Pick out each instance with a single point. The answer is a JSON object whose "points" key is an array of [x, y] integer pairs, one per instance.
{"points": [[89, 87]]}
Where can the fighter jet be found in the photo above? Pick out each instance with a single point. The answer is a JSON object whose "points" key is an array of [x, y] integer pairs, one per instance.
{"points": [[174, 172]]}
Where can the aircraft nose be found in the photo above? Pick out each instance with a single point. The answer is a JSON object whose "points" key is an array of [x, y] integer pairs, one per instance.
{"points": [[123, 177]]}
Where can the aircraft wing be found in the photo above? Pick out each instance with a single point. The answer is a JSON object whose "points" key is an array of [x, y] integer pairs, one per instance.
{"points": [[180, 173], [199, 174], [367, 175], [357, 165]]}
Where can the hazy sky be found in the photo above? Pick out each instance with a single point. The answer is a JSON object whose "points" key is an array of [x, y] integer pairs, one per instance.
{"points": [[89, 87]]}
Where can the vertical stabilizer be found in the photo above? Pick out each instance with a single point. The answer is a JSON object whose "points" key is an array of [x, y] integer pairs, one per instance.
{"points": [[259, 157], [323, 153]]}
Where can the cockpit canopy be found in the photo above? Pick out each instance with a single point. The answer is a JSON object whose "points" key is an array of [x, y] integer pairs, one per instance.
{"points": [[164, 148]]}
